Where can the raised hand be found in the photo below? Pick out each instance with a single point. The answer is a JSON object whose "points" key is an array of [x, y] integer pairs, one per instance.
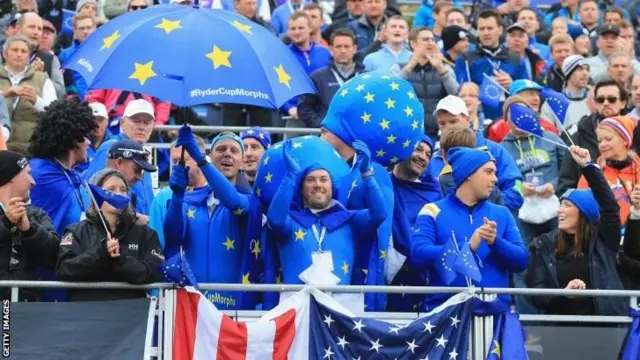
{"points": [[179, 179], [292, 164], [580, 156], [16, 212], [188, 142], [363, 156]]}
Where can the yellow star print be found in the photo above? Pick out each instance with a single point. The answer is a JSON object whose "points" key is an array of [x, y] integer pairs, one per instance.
{"points": [[229, 244], [360, 87], [384, 124], [297, 145], [143, 72], [278, 279], [245, 279], [369, 97], [256, 248], [109, 40], [380, 153], [168, 26], [391, 139], [383, 254], [414, 124], [259, 192], [408, 111], [496, 349], [394, 160], [191, 213], [283, 77], [242, 27], [300, 234], [238, 211], [266, 160], [345, 267], [219, 57], [406, 143], [390, 103], [394, 86], [411, 94], [344, 92], [366, 117], [268, 177]]}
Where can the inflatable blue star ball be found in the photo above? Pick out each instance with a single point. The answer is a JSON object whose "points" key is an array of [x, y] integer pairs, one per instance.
{"points": [[381, 110], [307, 150]]}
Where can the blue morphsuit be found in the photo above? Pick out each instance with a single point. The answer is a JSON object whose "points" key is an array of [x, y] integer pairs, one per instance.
{"points": [[143, 189], [58, 192], [509, 175], [433, 229], [218, 226], [293, 224], [158, 212]]}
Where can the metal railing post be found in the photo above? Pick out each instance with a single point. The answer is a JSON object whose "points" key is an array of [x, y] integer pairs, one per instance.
{"points": [[15, 293], [169, 321]]}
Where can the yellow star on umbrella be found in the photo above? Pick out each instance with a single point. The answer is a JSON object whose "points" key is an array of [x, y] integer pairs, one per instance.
{"points": [[380, 153], [219, 57], [384, 124], [245, 28], [143, 72], [366, 117], [109, 40], [229, 244], [168, 25], [345, 267], [283, 77], [245, 279], [391, 139]]}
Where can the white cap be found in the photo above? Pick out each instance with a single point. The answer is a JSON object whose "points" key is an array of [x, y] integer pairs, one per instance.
{"points": [[453, 105], [99, 109], [139, 106]]}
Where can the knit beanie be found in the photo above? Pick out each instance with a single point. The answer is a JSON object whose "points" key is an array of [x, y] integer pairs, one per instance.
{"points": [[451, 35], [571, 64], [258, 133], [465, 162], [584, 200], [227, 135], [622, 126], [99, 177], [11, 163]]}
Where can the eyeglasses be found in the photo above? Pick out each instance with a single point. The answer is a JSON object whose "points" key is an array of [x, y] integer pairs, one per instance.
{"points": [[609, 99], [136, 7]]}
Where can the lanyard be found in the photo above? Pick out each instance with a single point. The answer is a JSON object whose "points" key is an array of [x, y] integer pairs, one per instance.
{"points": [[73, 186], [339, 78], [319, 237]]}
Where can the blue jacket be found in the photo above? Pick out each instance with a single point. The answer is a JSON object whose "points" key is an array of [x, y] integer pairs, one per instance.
{"points": [[143, 189], [562, 12], [315, 58], [482, 61], [509, 176], [497, 262], [79, 85], [424, 15], [447, 185], [364, 31], [293, 225], [218, 234], [532, 154]]}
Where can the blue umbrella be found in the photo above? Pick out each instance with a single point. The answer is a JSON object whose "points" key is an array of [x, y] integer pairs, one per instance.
{"points": [[189, 56]]}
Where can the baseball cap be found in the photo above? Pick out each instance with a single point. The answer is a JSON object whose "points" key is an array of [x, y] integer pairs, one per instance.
{"points": [[453, 105], [516, 26], [130, 150], [14, 18], [139, 106], [522, 85], [609, 29], [99, 109]]}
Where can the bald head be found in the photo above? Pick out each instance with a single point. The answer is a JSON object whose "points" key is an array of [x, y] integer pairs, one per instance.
{"points": [[31, 26]]}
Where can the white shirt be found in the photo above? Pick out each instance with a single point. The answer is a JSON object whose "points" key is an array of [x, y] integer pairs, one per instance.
{"points": [[48, 91]]}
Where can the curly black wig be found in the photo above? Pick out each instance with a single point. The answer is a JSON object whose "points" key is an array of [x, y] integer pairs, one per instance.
{"points": [[60, 127]]}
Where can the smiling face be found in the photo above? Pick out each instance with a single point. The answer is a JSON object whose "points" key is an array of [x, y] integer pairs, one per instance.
{"points": [[226, 156], [316, 189], [417, 163], [568, 216], [610, 144], [252, 154]]}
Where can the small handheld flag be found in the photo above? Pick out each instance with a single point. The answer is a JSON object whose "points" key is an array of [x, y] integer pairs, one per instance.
{"points": [[491, 92], [444, 266], [101, 196], [526, 120], [559, 104]]}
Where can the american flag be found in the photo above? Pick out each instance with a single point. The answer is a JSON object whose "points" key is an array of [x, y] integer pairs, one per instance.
{"points": [[441, 334]]}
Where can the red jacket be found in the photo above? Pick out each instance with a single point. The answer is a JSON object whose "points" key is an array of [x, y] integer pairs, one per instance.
{"points": [[109, 98], [499, 129]]}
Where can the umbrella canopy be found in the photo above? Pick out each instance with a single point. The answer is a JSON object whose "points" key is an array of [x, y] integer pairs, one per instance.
{"points": [[189, 56]]}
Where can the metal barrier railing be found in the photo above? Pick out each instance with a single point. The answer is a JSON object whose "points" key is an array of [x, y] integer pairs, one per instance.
{"points": [[481, 332]]}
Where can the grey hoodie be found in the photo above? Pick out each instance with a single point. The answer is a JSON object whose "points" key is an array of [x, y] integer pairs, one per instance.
{"points": [[534, 154]]}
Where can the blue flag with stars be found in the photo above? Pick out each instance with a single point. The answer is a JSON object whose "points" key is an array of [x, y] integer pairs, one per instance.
{"points": [[101, 196], [441, 334], [490, 93], [176, 270], [448, 257], [631, 345], [466, 265], [67, 21], [525, 119], [558, 103], [241, 62]]}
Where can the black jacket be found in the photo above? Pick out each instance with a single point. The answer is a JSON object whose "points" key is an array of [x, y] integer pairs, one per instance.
{"points": [[36, 247], [584, 135], [83, 256], [554, 78], [629, 256], [313, 107], [602, 253]]}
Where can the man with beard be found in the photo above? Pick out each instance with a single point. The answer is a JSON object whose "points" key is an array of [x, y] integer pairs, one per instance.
{"points": [[411, 192], [317, 233], [27, 237], [216, 224], [467, 219], [256, 141]]}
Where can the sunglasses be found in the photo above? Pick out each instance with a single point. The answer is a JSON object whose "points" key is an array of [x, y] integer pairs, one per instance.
{"points": [[610, 99], [136, 7]]}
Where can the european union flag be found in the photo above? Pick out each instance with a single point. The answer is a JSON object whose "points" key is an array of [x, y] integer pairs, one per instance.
{"points": [[525, 119], [490, 93], [241, 62], [176, 270], [508, 338], [101, 196], [558, 103], [67, 21], [448, 258], [466, 265], [631, 345], [442, 334]]}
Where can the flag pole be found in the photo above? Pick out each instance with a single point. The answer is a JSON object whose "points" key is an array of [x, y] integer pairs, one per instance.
{"points": [[455, 242], [543, 138], [565, 131]]}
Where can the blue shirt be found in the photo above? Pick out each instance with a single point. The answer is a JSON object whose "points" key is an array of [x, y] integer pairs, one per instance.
{"points": [[385, 58]]}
